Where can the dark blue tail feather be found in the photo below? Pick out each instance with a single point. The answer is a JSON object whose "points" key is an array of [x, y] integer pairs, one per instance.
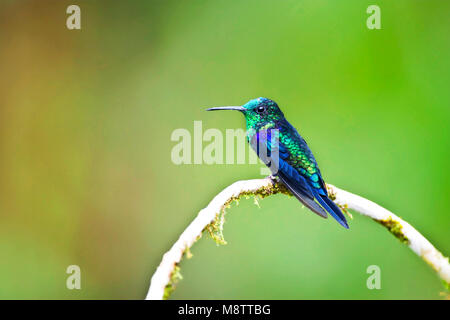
{"points": [[334, 210], [331, 208]]}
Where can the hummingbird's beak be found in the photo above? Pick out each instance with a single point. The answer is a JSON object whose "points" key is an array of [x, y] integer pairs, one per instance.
{"points": [[237, 108]]}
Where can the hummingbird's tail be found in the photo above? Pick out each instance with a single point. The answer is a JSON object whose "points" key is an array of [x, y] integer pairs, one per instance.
{"points": [[332, 209]]}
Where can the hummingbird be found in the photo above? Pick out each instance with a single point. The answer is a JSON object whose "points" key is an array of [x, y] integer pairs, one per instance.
{"points": [[275, 140]]}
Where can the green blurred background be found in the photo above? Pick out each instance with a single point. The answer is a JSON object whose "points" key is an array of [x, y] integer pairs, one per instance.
{"points": [[86, 116]]}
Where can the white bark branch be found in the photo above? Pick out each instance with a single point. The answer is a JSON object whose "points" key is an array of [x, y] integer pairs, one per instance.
{"points": [[163, 277]]}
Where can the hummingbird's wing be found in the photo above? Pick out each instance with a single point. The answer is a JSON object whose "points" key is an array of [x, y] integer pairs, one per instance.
{"points": [[308, 188], [289, 176], [302, 160], [299, 188]]}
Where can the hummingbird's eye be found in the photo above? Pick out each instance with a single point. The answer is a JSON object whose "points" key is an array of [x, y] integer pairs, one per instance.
{"points": [[260, 109]]}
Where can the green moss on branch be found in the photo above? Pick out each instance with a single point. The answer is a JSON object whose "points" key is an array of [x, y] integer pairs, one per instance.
{"points": [[215, 228], [395, 228]]}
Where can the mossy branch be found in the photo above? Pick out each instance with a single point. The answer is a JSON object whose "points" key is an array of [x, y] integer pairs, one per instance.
{"points": [[211, 219]]}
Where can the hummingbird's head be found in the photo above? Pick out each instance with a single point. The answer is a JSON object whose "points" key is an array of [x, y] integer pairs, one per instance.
{"points": [[257, 112]]}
